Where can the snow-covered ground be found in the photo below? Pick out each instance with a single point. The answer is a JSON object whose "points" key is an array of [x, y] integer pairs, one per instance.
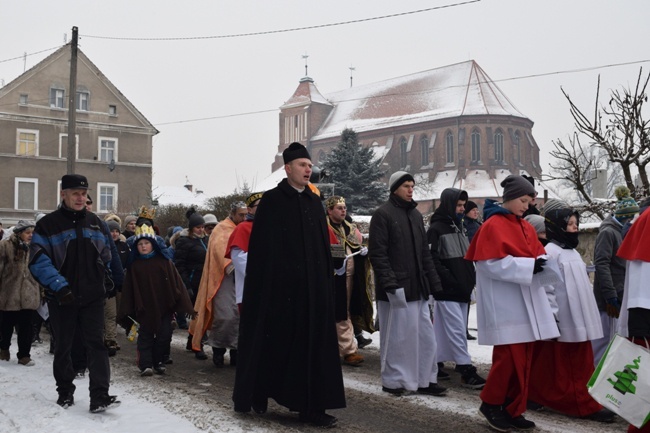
{"points": [[27, 401]]}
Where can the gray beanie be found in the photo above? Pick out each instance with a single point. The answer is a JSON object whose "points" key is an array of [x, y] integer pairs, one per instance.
{"points": [[552, 204], [113, 225], [537, 221], [397, 179], [23, 225], [129, 218], [515, 187]]}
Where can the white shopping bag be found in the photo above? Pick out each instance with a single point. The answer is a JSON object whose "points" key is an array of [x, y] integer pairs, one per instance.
{"points": [[621, 381]]}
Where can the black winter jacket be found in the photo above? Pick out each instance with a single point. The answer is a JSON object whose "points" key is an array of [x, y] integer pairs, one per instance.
{"points": [[449, 243], [189, 259], [399, 251], [609, 277]]}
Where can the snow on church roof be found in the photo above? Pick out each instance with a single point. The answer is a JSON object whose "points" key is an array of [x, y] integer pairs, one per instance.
{"points": [[450, 91], [477, 183]]}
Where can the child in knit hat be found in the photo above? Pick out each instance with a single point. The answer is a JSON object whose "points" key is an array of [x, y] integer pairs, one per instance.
{"points": [[152, 292]]}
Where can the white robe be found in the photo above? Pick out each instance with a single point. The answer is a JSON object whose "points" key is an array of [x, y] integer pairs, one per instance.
{"points": [[578, 316], [636, 294], [511, 308], [239, 259], [407, 346]]}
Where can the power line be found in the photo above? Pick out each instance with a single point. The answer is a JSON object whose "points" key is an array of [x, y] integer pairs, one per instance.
{"points": [[31, 54], [384, 95], [295, 29]]}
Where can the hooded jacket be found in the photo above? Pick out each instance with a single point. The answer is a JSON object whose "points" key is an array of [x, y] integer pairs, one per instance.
{"points": [[610, 269], [448, 242]]}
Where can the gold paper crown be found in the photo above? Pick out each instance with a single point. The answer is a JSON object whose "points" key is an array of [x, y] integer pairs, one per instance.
{"points": [[144, 231], [333, 201], [253, 198], [147, 213]]}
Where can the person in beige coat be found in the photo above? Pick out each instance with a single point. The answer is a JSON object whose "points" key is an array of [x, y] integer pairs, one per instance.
{"points": [[20, 294]]}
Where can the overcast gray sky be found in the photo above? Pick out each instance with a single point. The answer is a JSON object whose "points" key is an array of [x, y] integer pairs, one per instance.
{"points": [[174, 81]]}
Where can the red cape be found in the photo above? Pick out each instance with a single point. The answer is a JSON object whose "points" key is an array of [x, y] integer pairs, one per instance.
{"points": [[240, 237], [504, 235], [636, 245]]}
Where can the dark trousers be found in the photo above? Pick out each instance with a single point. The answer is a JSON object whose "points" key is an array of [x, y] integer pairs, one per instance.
{"points": [[78, 352], [89, 319], [21, 321], [154, 345]]}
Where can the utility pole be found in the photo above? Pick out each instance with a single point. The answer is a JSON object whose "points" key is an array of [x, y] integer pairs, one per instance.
{"points": [[72, 106]]}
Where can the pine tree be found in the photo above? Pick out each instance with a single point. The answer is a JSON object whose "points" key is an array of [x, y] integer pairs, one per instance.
{"points": [[355, 172]]}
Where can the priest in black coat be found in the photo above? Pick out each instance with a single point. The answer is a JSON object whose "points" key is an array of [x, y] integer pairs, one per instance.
{"points": [[288, 348]]}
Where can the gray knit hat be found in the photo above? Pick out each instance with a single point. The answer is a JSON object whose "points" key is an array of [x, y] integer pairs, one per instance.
{"points": [[537, 221], [113, 225], [552, 204], [129, 218], [397, 179], [23, 225], [515, 187]]}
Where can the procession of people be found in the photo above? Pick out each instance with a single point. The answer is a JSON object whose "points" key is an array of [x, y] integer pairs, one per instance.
{"points": [[283, 286]]}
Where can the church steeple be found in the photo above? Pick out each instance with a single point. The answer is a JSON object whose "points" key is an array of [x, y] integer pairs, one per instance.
{"points": [[301, 116]]}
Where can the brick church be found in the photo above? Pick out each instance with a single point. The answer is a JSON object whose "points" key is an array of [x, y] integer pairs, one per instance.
{"points": [[450, 127]]}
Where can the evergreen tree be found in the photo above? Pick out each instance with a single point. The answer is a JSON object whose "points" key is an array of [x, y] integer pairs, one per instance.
{"points": [[356, 175]]}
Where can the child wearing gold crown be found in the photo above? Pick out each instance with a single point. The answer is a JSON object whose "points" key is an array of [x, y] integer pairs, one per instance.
{"points": [[152, 292]]}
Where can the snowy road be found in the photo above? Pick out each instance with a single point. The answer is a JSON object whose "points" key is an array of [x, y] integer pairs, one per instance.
{"points": [[195, 396]]}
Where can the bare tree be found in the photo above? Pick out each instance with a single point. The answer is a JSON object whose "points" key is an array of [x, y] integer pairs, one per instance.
{"points": [[620, 129], [574, 166]]}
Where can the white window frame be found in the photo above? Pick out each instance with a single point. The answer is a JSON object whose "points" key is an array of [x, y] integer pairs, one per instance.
{"points": [[78, 100], [55, 103], [99, 148], [64, 138], [57, 201], [36, 132], [98, 199], [112, 110], [17, 181], [23, 99]]}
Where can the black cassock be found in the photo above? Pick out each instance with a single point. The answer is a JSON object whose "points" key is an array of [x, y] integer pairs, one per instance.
{"points": [[288, 348]]}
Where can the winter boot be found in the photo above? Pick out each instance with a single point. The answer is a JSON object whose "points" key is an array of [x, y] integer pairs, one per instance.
{"points": [[233, 357], [4, 355], [217, 356]]}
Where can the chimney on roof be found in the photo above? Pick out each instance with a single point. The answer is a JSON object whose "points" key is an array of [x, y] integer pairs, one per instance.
{"points": [[188, 185]]}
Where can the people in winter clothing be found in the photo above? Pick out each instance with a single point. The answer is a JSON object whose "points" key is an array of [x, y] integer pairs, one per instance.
{"points": [[70, 256], [288, 349], [634, 321], [609, 277], [449, 243], [471, 219], [405, 279], [215, 300], [152, 292], [512, 307], [113, 296], [190, 248], [345, 239], [20, 294], [561, 368]]}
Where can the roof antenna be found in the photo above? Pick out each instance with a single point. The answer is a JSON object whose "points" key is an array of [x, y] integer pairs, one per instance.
{"points": [[305, 56], [352, 69]]}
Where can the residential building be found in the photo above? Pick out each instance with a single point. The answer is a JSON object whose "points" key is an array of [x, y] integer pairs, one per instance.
{"points": [[113, 140]]}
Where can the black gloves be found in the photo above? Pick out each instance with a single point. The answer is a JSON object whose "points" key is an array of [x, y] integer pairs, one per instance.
{"points": [[613, 307], [539, 265], [64, 296]]}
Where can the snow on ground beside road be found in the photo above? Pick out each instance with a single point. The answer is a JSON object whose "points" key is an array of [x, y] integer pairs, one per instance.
{"points": [[28, 396], [28, 402]]}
